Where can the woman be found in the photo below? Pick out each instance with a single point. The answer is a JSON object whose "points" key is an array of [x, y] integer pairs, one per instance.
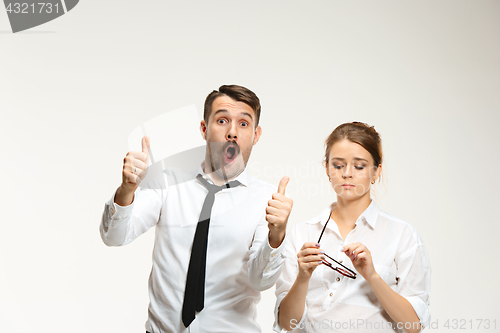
{"points": [[371, 272]]}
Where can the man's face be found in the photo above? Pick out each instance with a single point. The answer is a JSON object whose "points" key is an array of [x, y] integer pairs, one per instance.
{"points": [[230, 135]]}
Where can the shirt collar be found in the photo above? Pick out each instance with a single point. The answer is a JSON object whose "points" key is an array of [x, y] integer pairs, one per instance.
{"points": [[243, 177], [370, 215], [323, 217]]}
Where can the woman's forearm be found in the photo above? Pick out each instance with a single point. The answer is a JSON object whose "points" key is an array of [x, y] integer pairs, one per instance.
{"points": [[292, 306], [398, 308]]}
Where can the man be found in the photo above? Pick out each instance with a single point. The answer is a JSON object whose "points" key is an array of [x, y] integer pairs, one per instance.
{"points": [[214, 251]]}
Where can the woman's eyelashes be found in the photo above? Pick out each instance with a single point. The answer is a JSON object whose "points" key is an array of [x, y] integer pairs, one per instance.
{"points": [[357, 167]]}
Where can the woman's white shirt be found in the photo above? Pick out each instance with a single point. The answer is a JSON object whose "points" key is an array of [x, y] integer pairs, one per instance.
{"points": [[335, 303]]}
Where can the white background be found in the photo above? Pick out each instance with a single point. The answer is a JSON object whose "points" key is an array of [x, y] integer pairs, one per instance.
{"points": [[425, 73]]}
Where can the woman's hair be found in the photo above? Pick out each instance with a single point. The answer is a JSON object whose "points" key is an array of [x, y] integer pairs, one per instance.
{"points": [[360, 133]]}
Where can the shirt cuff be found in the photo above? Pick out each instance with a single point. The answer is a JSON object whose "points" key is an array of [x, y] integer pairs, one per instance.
{"points": [[421, 309], [271, 253], [275, 258], [116, 213]]}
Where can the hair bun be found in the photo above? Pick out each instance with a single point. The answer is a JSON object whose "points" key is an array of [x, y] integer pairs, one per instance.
{"points": [[360, 133], [359, 123]]}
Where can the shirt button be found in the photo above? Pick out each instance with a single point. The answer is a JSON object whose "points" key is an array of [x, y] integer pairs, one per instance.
{"points": [[272, 255], [331, 294], [338, 279], [267, 269], [340, 261]]}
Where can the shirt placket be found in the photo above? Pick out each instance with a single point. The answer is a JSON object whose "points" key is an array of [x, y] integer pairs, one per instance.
{"points": [[335, 284], [340, 280]]}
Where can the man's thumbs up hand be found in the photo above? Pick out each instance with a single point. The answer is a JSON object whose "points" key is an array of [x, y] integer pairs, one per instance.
{"points": [[135, 166], [277, 212]]}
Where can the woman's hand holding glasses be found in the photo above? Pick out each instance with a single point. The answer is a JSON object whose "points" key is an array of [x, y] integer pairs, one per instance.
{"points": [[361, 259], [309, 257]]}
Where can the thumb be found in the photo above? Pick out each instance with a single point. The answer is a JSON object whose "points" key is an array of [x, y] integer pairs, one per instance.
{"points": [[282, 186], [145, 144]]}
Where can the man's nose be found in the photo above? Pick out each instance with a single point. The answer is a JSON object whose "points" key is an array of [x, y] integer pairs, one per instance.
{"points": [[232, 133]]}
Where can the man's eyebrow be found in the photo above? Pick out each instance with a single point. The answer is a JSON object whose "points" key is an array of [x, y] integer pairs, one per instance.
{"points": [[242, 113], [220, 111], [247, 114]]}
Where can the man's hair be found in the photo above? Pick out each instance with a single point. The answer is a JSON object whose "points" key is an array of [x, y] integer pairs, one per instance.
{"points": [[239, 94]]}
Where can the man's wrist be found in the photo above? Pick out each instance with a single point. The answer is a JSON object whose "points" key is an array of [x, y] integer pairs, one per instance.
{"points": [[276, 238], [124, 196]]}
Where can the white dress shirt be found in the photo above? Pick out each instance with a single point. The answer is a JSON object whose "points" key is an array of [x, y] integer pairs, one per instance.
{"points": [[335, 303], [240, 261]]}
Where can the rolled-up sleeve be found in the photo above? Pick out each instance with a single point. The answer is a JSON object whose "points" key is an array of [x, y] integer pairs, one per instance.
{"points": [[414, 275]]}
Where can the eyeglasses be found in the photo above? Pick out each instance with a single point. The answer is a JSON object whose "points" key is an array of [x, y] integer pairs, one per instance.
{"points": [[342, 270]]}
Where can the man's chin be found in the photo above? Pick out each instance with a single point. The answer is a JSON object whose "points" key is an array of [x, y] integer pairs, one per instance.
{"points": [[230, 171]]}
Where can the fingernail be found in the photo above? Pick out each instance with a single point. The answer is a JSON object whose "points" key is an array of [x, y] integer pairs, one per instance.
{"points": [[342, 250], [323, 257], [322, 252], [317, 245], [320, 262]]}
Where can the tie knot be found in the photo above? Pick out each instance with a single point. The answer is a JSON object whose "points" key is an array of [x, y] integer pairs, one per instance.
{"points": [[214, 188]]}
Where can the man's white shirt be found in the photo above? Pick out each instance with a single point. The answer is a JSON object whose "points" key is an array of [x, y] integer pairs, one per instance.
{"points": [[240, 261]]}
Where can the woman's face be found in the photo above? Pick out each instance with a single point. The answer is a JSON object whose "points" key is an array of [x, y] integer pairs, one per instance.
{"points": [[351, 170]]}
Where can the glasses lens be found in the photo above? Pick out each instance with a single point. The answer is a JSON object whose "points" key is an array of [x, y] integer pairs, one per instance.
{"points": [[338, 267]]}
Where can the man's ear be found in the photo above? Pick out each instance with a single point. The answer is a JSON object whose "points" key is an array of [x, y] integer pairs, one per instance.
{"points": [[258, 133], [203, 129]]}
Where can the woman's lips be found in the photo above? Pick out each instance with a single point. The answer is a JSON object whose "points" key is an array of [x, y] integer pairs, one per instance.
{"points": [[348, 186]]}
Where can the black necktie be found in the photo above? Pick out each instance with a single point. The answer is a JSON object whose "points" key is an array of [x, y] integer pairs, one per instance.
{"points": [[194, 294]]}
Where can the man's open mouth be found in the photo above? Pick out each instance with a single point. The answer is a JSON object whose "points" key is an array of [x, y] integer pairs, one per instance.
{"points": [[230, 152]]}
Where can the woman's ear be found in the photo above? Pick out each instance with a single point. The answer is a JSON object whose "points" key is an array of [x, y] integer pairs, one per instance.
{"points": [[378, 173]]}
